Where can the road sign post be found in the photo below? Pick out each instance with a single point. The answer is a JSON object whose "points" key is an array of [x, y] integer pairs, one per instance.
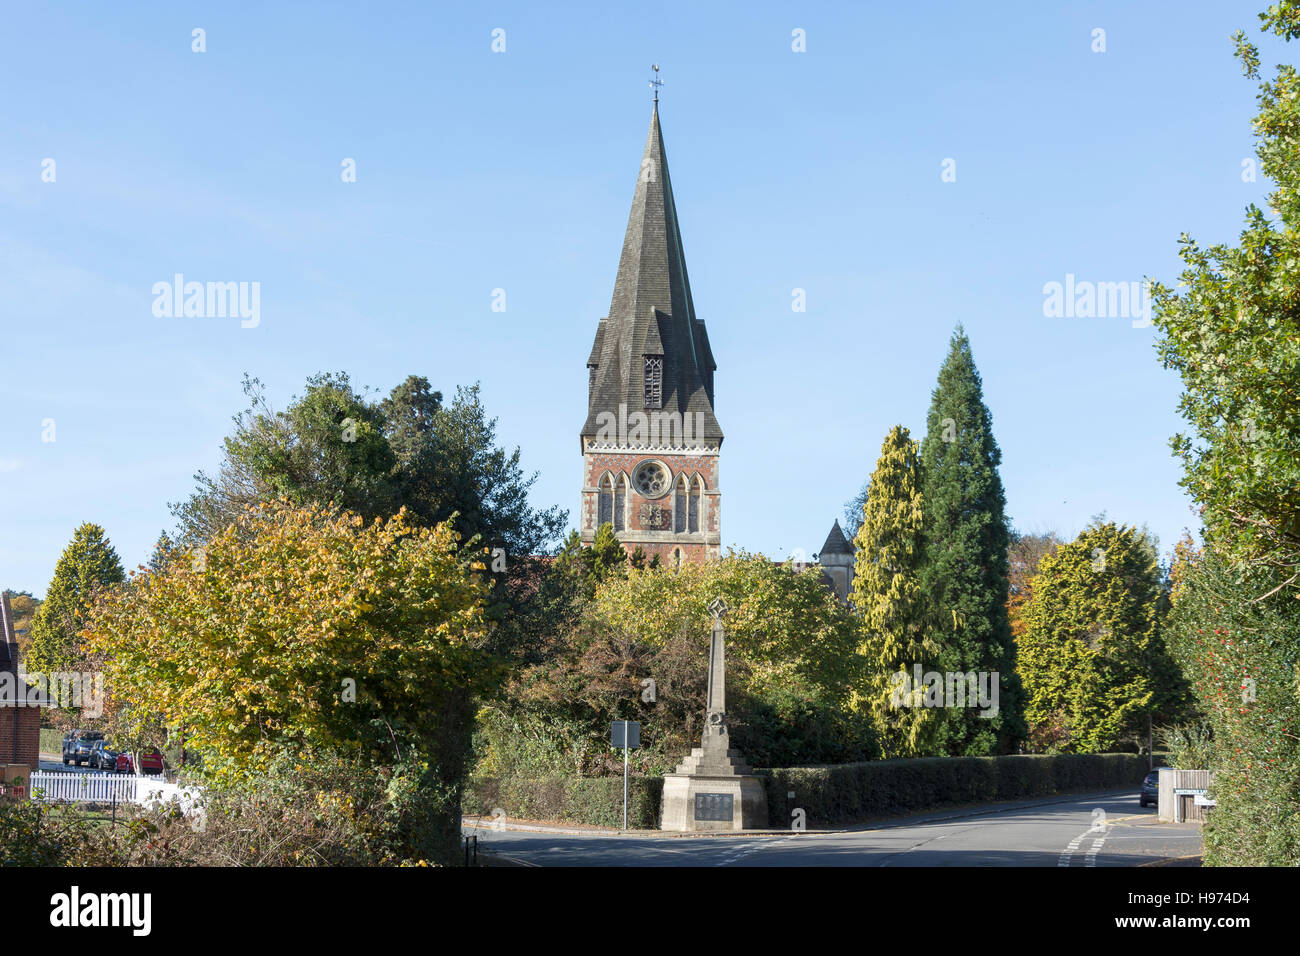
{"points": [[625, 734]]}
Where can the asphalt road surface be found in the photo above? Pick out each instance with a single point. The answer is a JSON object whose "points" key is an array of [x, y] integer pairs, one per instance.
{"points": [[1103, 829], [55, 762]]}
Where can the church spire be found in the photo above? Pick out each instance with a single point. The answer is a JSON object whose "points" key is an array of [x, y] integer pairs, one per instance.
{"points": [[651, 444], [651, 315]]}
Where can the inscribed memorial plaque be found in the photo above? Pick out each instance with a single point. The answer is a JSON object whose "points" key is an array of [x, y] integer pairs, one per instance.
{"points": [[714, 806]]}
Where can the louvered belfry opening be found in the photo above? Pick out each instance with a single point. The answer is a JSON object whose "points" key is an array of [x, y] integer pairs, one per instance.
{"points": [[654, 381]]}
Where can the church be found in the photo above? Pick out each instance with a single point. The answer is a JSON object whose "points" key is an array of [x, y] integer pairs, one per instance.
{"points": [[651, 444]]}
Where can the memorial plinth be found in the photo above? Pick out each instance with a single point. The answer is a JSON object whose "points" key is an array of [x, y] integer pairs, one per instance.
{"points": [[713, 788]]}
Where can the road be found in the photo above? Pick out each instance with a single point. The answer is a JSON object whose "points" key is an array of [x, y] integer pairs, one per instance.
{"points": [[55, 762], [1060, 832]]}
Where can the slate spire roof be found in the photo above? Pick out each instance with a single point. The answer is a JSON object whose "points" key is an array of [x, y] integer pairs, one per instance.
{"points": [[8, 640], [836, 543], [651, 313], [8, 658]]}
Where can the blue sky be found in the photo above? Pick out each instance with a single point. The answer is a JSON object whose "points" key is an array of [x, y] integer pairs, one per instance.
{"points": [[477, 170]]}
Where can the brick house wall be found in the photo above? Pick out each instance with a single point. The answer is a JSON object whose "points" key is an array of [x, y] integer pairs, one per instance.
{"points": [[20, 727]]}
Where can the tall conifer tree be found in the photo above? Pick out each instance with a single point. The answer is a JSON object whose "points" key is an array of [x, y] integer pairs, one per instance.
{"points": [[887, 592], [967, 574], [1096, 669], [87, 564]]}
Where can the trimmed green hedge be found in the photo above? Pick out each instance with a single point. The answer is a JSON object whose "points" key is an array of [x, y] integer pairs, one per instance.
{"points": [[594, 800], [851, 793], [829, 796]]}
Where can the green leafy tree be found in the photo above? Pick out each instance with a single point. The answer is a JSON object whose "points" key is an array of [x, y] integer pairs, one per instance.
{"points": [[544, 599], [334, 445], [486, 485], [888, 594], [1026, 552], [327, 447], [853, 511], [410, 413], [560, 710], [788, 624], [791, 648], [88, 565], [967, 574], [639, 651], [1233, 335], [590, 566], [164, 550], [337, 446], [1092, 661]]}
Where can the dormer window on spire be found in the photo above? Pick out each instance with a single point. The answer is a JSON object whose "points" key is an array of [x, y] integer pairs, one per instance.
{"points": [[654, 381]]}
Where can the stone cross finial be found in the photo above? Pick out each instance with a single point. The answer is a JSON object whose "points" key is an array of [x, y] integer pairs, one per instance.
{"points": [[718, 608]]}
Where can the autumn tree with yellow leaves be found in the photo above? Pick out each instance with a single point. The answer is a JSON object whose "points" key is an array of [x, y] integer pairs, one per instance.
{"points": [[307, 628]]}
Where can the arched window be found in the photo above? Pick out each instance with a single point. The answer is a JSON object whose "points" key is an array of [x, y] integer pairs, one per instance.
{"points": [[677, 557], [605, 511], [679, 504], [697, 503], [620, 502]]}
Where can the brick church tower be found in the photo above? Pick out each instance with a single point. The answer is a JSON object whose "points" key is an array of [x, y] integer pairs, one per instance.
{"points": [[650, 443]]}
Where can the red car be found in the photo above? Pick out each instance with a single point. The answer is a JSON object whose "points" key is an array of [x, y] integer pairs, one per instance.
{"points": [[150, 761]]}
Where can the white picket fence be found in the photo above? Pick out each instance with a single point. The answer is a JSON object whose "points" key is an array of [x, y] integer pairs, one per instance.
{"points": [[146, 790], [52, 787]]}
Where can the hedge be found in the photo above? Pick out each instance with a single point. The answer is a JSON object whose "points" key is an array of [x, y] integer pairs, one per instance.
{"points": [[851, 793], [593, 800], [829, 796]]}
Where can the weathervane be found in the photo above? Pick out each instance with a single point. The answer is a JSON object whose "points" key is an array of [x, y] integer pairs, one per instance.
{"points": [[655, 82]]}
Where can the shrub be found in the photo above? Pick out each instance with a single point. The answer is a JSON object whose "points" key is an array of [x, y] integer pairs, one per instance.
{"points": [[33, 834], [1190, 746], [315, 810], [1241, 656]]}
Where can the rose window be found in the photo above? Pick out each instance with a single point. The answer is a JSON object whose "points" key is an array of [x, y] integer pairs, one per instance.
{"points": [[651, 479]]}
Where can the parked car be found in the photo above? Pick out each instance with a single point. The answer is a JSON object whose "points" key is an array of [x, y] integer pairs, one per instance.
{"points": [[148, 760], [102, 756], [1150, 789], [77, 746]]}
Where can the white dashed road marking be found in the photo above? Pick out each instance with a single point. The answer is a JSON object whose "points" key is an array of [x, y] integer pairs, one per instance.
{"points": [[1090, 858], [747, 848]]}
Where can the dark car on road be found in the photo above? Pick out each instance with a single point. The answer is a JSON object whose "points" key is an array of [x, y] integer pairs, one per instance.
{"points": [[78, 744], [1150, 789], [103, 757]]}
